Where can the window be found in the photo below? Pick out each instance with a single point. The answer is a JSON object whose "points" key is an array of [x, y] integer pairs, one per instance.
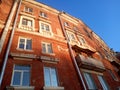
{"points": [[50, 76], [71, 36], [75, 28], [45, 29], [113, 75], [90, 81], [103, 82], [42, 14], [82, 41], [21, 75], [27, 9], [25, 44], [66, 24], [27, 22], [46, 48]]}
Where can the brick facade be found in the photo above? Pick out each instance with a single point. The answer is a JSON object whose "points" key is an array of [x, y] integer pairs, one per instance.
{"points": [[76, 50]]}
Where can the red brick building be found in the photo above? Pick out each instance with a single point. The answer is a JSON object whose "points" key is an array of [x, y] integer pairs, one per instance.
{"points": [[42, 48]]}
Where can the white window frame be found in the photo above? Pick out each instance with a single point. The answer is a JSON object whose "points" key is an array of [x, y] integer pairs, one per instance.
{"points": [[42, 14], [90, 82], [66, 24], [82, 41], [50, 73], [46, 47], [27, 9], [26, 27], [72, 41], [103, 82], [24, 44], [44, 32], [22, 71]]}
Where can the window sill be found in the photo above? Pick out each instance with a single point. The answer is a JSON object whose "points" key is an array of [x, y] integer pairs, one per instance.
{"points": [[20, 87], [24, 50], [53, 88]]}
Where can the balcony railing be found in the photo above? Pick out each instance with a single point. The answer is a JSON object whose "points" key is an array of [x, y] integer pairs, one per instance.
{"points": [[90, 63]]}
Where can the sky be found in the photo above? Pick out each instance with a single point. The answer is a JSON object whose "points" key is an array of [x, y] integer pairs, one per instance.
{"points": [[101, 16]]}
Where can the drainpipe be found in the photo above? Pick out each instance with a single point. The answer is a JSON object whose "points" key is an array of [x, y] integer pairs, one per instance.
{"points": [[10, 40], [71, 52]]}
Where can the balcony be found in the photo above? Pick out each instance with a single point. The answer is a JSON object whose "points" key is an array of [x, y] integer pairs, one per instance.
{"points": [[90, 63]]}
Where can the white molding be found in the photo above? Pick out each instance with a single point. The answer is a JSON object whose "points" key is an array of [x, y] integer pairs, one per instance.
{"points": [[53, 88], [25, 28], [20, 87]]}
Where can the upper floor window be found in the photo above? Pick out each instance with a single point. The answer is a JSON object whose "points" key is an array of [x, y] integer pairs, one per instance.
{"points": [[82, 40], [28, 9], [90, 81], [50, 77], [21, 75], [42, 14], [45, 29], [71, 36], [75, 28], [26, 23], [103, 82], [66, 24], [113, 75], [47, 48], [25, 43]]}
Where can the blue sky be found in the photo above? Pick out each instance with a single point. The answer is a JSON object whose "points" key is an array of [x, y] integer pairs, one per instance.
{"points": [[102, 16]]}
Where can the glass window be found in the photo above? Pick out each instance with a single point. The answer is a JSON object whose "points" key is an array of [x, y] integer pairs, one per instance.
{"points": [[27, 22], [82, 41], [27, 9], [21, 75], [46, 47], [42, 14], [103, 82], [45, 27], [66, 24], [50, 76], [71, 36], [89, 80], [25, 43]]}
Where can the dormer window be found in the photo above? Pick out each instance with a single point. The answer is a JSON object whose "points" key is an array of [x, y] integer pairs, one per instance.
{"points": [[42, 14], [28, 9]]}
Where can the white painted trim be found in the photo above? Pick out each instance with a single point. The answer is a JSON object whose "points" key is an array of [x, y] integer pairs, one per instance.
{"points": [[50, 33], [22, 26], [53, 88]]}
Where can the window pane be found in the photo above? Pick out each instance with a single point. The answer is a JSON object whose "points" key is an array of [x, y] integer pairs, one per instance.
{"points": [[22, 43], [103, 82], [47, 28], [47, 76], [29, 44], [54, 77], [89, 80], [26, 79], [29, 23], [24, 22], [16, 78], [43, 48], [49, 48], [22, 67], [42, 26]]}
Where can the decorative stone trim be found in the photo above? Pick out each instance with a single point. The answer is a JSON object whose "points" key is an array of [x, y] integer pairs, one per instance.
{"points": [[22, 55], [53, 88], [49, 59], [20, 87]]}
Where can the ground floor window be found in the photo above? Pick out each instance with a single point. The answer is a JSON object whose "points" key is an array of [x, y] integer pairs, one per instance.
{"points": [[21, 75], [50, 76]]}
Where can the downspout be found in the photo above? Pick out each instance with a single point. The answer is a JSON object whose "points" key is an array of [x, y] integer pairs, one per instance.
{"points": [[5, 31], [10, 42], [71, 53]]}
